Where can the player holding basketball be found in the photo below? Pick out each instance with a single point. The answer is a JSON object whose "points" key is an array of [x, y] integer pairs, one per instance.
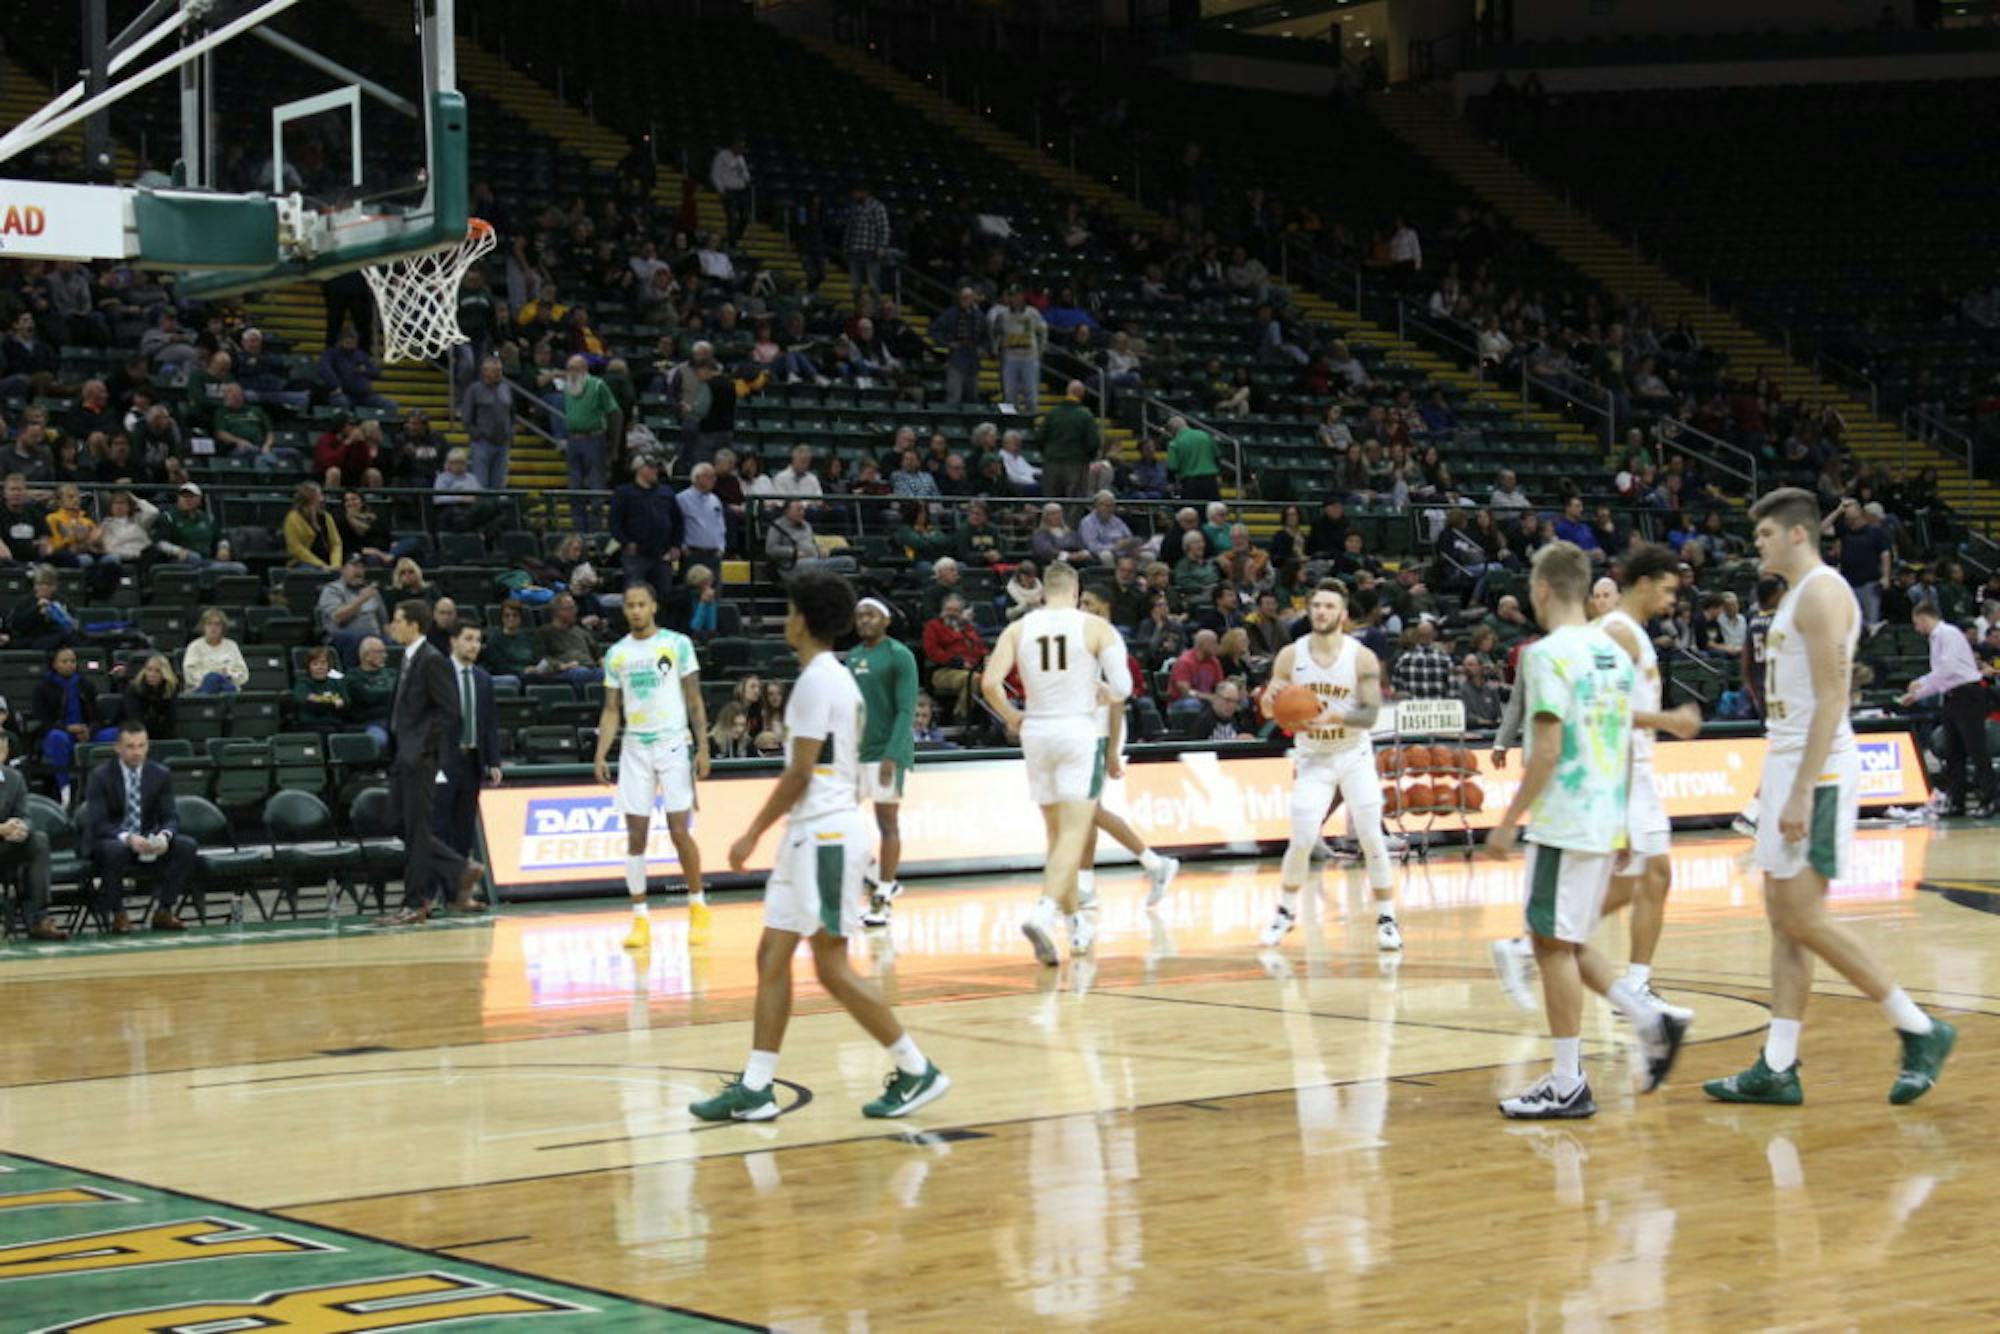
{"points": [[1160, 869], [1332, 753], [1575, 779], [652, 684], [886, 672], [814, 890], [1652, 579], [1064, 654], [1811, 797]]}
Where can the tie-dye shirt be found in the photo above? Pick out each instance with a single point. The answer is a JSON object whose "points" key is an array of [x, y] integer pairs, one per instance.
{"points": [[1582, 677]]}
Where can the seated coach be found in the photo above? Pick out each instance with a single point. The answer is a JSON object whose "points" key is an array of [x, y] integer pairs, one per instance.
{"points": [[132, 828]]}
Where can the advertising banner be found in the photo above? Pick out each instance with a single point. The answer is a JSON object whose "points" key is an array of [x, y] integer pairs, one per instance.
{"points": [[976, 814]]}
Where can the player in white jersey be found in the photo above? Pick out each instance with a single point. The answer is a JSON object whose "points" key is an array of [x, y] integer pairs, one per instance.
{"points": [[1652, 579], [1333, 754], [1811, 796], [1159, 868], [652, 684], [814, 890], [1070, 662]]}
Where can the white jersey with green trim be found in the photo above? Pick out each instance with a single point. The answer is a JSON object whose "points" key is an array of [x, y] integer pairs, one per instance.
{"points": [[1788, 683], [826, 706]]}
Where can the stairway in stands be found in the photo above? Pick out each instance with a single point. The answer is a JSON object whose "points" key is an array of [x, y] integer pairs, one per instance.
{"points": [[485, 74], [22, 94], [1024, 154], [1428, 123]]}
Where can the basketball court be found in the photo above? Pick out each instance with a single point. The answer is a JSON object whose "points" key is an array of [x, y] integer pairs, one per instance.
{"points": [[491, 1119]]}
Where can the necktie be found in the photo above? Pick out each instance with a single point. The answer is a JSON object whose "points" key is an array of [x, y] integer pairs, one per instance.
{"points": [[131, 825], [471, 731]]}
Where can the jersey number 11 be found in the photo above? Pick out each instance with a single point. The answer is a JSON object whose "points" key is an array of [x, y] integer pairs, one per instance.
{"points": [[1061, 652]]}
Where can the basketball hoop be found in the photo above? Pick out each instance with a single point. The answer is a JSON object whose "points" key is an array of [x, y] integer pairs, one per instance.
{"points": [[417, 296]]}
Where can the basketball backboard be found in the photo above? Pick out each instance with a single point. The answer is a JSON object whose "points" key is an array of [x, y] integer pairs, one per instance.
{"points": [[305, 138]]}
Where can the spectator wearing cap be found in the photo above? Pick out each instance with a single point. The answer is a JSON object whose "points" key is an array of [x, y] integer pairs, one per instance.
{"points": [[186, 532], [646, 523], [704, 521], [865, 240]]}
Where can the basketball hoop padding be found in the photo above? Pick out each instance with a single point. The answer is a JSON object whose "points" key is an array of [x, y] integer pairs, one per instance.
{"points": [[416, 296]]}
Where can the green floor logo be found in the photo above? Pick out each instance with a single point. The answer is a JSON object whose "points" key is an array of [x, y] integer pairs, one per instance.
{"points": [[81, 1252]]}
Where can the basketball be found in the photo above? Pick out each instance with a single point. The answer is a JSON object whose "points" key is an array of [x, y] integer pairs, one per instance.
{"points": [[1417, 760], [1386, 763], [1295, 706], [1417, 796], [1462, 759], [1445, 794], [1472, 796], [1392, 799]]}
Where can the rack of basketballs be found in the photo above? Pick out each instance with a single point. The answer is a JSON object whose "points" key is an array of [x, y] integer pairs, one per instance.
{"points": [[1421, 782]]}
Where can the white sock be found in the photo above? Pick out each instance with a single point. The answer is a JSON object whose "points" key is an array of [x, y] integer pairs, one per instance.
{"points": [[1903, 1012], [759, 1070], [1638, 974], [1149, 862], [635, 878], [1569, 1062], [1781, 1044], [1625, 996], [1288, 899], [697, 895], [903, 1051], [887, 888], [1385, 908], [639, 908], [1086, 884]]}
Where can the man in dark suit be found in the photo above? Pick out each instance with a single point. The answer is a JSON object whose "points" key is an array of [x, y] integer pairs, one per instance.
{"points": [[423, 730], [131, 827], [25, 849], [473, 758]]}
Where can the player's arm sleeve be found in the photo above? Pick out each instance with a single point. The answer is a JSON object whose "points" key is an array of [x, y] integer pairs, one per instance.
{"points": [[809, 715], [1112, 659], [614, 678], [1547, 691], [902, 729], [1509, 733], [690, 664]]}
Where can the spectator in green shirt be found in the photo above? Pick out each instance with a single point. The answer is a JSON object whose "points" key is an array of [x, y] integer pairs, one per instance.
{"points": [[204, 391], [319, 701], [980, 544], [371, 691], [1192, 459], [510, 652], [592, 423], [1196, 576], [920, 539], [1070, 444], [245, 431]]}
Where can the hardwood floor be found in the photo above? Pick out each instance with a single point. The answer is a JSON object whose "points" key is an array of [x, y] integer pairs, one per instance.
{"points": [[1189, 1131]]}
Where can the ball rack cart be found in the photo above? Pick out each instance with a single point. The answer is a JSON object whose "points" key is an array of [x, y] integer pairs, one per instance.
{"points": [[1427, 723]]}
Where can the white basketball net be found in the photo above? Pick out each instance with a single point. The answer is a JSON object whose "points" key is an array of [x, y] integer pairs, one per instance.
{"points": [[417, 296]]}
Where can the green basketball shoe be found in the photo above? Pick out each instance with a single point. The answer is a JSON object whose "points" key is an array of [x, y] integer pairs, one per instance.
{"points": [[737, 1102], [903, 1094], [1760, 1083], [1923, 1057]]}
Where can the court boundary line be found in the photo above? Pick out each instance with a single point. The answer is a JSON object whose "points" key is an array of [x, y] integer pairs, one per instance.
{"points": [[1032, 1119], [358, 1235]]}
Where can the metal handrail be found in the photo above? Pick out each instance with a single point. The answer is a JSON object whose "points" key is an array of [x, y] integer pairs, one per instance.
{"points": [[1446, 332], [1569, 393], [1318, 266], [1854, 378], [1920, 423], [515, 391], [1681, 429]]}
